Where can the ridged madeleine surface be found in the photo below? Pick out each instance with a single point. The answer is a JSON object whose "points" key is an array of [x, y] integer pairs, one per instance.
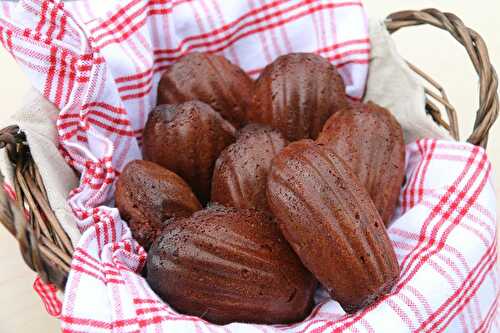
{"points": [[147, 195], [296, 94], [330, 221], [240, 174], [228, 265], [370, 140], [211, 79], [187, 138]]}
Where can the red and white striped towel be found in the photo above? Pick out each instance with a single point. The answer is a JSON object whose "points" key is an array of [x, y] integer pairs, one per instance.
{"points": [[100, 64]]}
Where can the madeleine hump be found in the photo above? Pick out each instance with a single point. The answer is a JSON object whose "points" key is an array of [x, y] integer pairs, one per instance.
{"points": [[187, 138], [230, 265], [147, 195], [370, 140], [330, 221]]}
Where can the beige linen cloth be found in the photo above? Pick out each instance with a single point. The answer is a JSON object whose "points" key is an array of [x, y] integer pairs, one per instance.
{"points": [[37, 118], [391, 84]]}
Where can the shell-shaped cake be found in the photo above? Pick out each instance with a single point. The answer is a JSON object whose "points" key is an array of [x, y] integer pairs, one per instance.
{"points": [[229, 265], [370, 140], [240, 174], [330, 221], [296, 94], [147, 195], [187, 138], [211, 79]]}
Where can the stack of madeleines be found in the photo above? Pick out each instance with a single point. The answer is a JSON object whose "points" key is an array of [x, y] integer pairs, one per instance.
{"points": [[298, 183]]}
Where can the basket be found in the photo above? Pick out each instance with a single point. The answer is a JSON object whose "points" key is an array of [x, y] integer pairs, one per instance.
{"points": [[47, 249]]}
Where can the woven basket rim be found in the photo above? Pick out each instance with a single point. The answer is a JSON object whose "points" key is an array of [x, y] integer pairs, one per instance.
{"points": [[45, 246]]}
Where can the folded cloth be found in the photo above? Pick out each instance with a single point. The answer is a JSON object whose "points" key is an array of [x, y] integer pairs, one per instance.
{"points": [[393, 85], [37, 118], [100, 67]]}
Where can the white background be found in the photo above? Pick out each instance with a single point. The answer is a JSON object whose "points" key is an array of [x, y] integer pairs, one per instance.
{"points": [[434, 51]]}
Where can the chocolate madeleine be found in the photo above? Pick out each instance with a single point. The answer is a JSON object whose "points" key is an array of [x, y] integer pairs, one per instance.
{"points": [[230, 265], [240, 174], [370, 140], [211, 79], [187, 138], [330, 221], [147, 195], [296, 94]]}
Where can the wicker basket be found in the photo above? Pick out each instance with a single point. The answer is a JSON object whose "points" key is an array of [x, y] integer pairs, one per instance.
{"points": [[47, 249]]}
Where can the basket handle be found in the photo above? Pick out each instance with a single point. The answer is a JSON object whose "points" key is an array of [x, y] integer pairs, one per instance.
{"points": [[478, 52]]}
